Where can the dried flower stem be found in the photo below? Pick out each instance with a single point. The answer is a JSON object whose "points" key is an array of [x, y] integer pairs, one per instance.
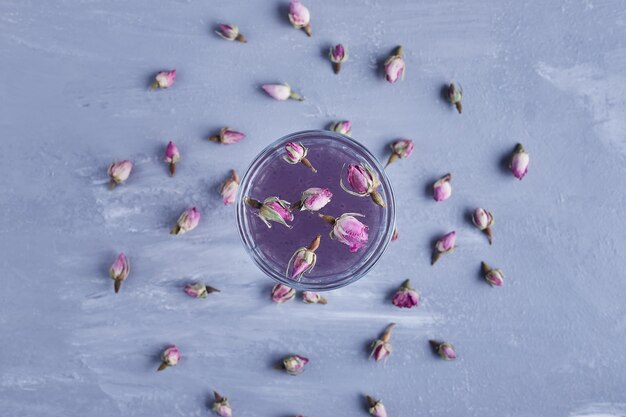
{"points": [[308, 164], [315, 243], [377, 198], [253, 203], [387, 334], [328, 219]]}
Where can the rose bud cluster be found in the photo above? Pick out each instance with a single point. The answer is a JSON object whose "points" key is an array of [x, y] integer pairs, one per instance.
{"points": [[444, 349], [229, 188], [272, 209], [230, 33], [338, 55], [400, 149], [445, 244], [395, 66], [495, 277], [313, 199], [227, 136], [300, 17], [364, 182], [483, 220], [442, 189], [405, 296], [119, 172], [295, 153], [164, 79], [348, 230], [282, 293], [119, 271], [170, 357], [281, 92], [187, 221], [381, 348], [455, 95], [519, 162], [303, 260]]}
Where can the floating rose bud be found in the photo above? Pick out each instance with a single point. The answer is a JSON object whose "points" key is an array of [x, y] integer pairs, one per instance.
{"points": [[172, 156], [281, 92], [442, 189], [164, 79], [338, 55], [394, 66], [119, 172], [455, 94], [227, 136], [445, 244], [519, 162], [364, 182], [300, 17], [294, 364], [394, 236], [400, 149], [381, 348], [495, 277], [229, 188], [376, 407], [303, 260], [199, 290], [272, 209], [187, 221], [313, 199], [406, 297], [484, 220], [348, 230], [119, 271], [221, 407], [344, 127], [295, 153], [230, 33], [312, 297], [443, 349], [170, 357], [282, 293]]}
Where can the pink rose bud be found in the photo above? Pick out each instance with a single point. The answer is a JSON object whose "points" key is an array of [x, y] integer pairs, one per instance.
{"points": [[400, 149], [376, 407], [381, 348], [272, 209], [445, 244], [344, 127], [119, 172], [338, 55], [300, 17], [406, 297], [295, 153], [230, 33], [312, 297], [281, 92], [221, 407], [394, 236], [294, 364], [394, 66], [443, 349], [172, 156], [313, 199], [186, 222], [495, 277], [442, 189], [484, 220], [170, 357], [199, 290], [519, 162], [303, 260], [455, 94], [119, 271], [364, 182], [348, 230], [282, 293], [164, 79], [227, 136], [229, 188]]}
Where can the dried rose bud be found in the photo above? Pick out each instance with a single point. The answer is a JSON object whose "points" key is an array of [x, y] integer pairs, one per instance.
{"points": [[400, 149], [294, 364], [455, 94], [170, 357], [300, 17], [227, 136], [282, 293], [484, 220], [338, 55], [187, 221], [394, 236], [230, 33], [312, 297], [119, 271], [199, 290], [272, 209], [519, 162], [443, 349], [344, 127], [442, 189], [229, 188], [172, 156], [119, 172], [164, 79], [348, 230], [295, 153], [394, 66], [406, 297], [303, 260], [364, 182], [221, 407], [376, 407], [381, 348], [313, 199], [281, 92], [495, 277], [445, 244]]}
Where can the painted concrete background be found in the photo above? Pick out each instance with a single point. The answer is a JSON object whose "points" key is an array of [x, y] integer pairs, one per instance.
{"points": [[73, 98]]}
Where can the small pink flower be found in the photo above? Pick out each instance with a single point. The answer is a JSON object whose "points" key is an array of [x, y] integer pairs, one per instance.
{"points": [[172, 156], [229, 188], [272, 209], [381, 348], [230, 33], [394, 66], [303, 260], [281, 92], [444, 349], [338, 55], [344, 127], [312, 297], [400, 149], [227, 136], [221, 407], [364, 182], [164, 79], [199, 290], [170, 357], [282, 293], [394, 236], [519, 162], [406, 297], [442, 189], [294, 364], [445, 244], [187, 221], [119, 271], [300, 17], [295, 153], [484, 220], [495, 277], [455, 95], [119, 172], [314, 199], [376, 407], [348, 230]]}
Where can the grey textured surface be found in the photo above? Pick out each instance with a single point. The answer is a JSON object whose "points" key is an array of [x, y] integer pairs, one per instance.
{"points": [[549, 74]]}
